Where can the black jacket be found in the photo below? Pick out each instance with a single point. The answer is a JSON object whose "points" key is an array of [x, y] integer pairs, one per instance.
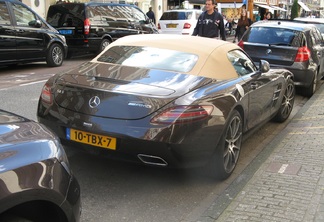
{"points": [[210, 25]]}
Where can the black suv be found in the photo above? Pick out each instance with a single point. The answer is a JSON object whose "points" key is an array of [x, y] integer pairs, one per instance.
{"points": [[295, 46], [26, 37], [90, 27]]}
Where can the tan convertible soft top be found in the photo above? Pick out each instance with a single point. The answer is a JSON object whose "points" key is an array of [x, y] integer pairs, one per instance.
{"points": [[212, 53]]}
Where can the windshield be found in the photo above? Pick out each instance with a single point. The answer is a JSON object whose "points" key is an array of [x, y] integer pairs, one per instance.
{"points": [[149, 57], [176, 15]]}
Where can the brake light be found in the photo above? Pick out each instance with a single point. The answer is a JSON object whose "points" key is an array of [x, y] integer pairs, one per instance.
{"points": [[46, 94], [86, 26], [159, 27], [186, 26], [183, 114], [241, 44], [303, 54]]}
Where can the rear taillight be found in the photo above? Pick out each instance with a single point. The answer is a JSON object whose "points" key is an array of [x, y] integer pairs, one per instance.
{"points": [[159, 27], [183, 114], [46, 94], [241, 44], [303, 54], [86, 26], [186, 26]]}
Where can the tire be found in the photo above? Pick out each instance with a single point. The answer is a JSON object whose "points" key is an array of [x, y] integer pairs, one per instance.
{"points": [[104, 43], [228, 149], [310, 90], [287, 103], [55, 55]]}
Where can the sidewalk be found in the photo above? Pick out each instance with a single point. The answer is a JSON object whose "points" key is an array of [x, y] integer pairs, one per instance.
{"points": [[289, 185]]}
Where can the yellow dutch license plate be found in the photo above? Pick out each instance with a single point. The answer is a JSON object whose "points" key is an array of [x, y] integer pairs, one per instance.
{"points": [[91, 139], [171, 26]]}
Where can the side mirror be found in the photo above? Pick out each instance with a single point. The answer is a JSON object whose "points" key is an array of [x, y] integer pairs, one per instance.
{"points": [[35, 23], [264, 66], [148, 20]]}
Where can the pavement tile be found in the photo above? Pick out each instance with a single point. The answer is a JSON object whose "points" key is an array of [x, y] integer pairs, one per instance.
{"points": [[289, 185]]}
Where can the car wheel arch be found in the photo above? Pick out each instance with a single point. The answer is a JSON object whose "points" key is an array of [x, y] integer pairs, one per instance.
{"points": [[217, 166], [40, 210], [241, 111], [104, 39]]}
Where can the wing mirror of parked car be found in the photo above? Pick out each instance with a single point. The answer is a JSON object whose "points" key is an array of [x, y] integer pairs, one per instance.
{"points": [[35, 23], [148, 20], [264, 66]]}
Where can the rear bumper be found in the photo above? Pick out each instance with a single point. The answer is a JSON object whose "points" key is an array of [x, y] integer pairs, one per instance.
{"points": [[182, 147], [83, 45], [303, 77]]}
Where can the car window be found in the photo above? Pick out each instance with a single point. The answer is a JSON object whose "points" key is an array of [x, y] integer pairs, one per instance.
{"points": [[275, 36], [149, 57], [241, 62], [4, 14], [176, 15], [320, 27], [23, 15], [316, 37], [138, 15], [66, 15]]}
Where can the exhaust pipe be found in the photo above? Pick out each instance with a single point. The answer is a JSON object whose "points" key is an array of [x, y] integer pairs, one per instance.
{"points": [[152, 160]]}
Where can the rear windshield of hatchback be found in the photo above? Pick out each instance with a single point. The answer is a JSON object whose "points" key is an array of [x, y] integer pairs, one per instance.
{"points": [[274, 36], [149, 57], [176, 15]]}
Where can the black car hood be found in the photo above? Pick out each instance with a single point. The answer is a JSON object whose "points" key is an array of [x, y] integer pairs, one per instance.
{"points": [[121, 92]]}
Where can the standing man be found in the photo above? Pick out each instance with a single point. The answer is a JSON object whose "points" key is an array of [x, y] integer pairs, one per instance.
{"points": [[151, 15], [210, 23]]}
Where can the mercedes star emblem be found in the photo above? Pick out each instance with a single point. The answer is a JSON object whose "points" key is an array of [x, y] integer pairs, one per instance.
{"points": [[94, 102]]}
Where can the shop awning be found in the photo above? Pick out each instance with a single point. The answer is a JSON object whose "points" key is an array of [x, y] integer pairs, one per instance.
{"points": [[302, 4], [264, 6], [278, 8], [272, 7]]}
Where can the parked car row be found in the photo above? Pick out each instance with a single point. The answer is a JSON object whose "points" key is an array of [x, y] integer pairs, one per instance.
{"points": [[70, 28]]}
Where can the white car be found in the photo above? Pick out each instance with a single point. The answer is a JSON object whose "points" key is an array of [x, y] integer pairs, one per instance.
{"points": [[181, 22]]}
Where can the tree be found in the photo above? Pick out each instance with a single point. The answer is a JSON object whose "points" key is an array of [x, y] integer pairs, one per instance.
{"points": [[294, 10]]}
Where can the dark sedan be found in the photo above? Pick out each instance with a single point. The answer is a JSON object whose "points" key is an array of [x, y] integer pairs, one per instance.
{"points": [[36, 183], [166, 100], [294, 46]]}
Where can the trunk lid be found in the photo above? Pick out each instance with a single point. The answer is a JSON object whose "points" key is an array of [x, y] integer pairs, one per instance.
{"points": [[274, 54], [121, 92]]}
